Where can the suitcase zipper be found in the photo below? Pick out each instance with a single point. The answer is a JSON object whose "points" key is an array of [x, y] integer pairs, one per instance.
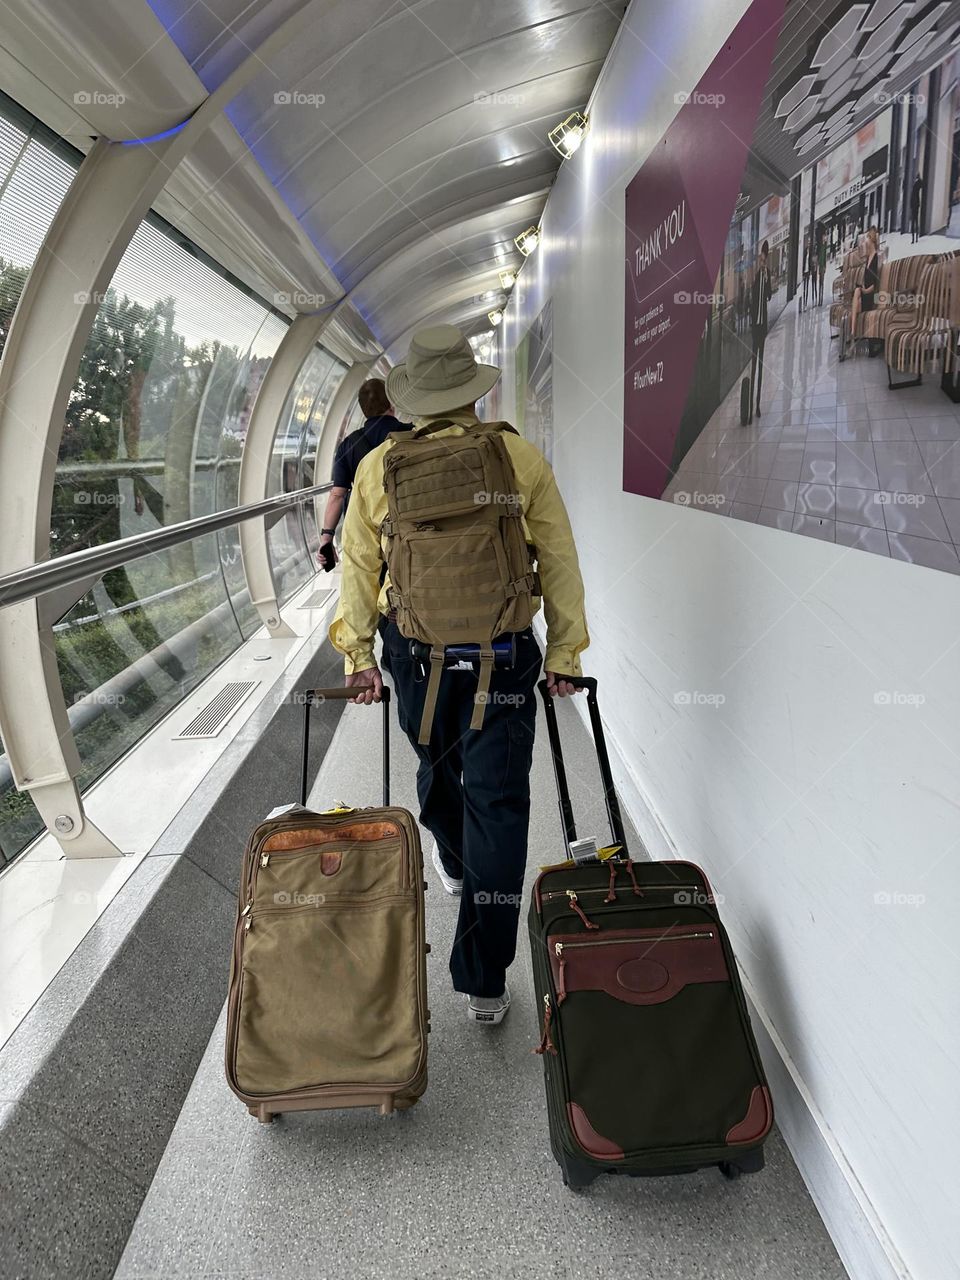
{"points": [[560, 947], [353, 903], [290, 822], [546, 1044], [234, 1000], [650, 888], [571, 894], [324, 846]]}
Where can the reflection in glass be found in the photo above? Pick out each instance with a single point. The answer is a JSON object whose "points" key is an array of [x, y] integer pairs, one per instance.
{"points": [[124, 666], [293, 539]]}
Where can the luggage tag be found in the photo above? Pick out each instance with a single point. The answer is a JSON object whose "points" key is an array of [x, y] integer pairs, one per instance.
{"points": [[585, 851], [282, 808]]}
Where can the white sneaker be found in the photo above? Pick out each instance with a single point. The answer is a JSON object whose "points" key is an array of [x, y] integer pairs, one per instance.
{"points": [[452, 885], [489, 1009]]}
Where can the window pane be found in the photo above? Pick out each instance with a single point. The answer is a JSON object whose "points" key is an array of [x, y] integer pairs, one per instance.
{"points": [[308, 454], [125, 665], [222, 480], [19, 820], [33, 182], [292, 565], [153, 435]]}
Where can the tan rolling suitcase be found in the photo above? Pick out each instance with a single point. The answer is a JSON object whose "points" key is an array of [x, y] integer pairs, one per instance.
{"points": [[328, 986]]}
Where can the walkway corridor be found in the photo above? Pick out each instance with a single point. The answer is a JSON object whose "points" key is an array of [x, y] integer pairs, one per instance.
{"points": [[464, 1185]]}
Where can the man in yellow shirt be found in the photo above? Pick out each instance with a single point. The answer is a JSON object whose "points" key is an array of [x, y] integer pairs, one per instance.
{"points": [[473, 784]]}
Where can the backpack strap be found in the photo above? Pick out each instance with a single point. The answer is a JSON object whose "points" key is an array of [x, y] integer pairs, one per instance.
{"points": [[433, 689], [441, 424], [429, 428], [500, 425], [483, 687]]}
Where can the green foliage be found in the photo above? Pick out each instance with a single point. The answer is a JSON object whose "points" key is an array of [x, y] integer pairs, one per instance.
{"points": [[141, 394]]}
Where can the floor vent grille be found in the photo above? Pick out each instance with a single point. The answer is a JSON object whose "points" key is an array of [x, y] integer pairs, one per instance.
{"points": [[316, 601], [209, 722]]}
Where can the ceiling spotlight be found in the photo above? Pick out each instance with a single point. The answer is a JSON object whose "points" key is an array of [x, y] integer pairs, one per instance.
{"points": [[508, 278], [528, 240], [567, 136], [495, 317]]}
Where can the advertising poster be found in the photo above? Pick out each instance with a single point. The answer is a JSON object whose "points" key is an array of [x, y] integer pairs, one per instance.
{"points": [[821, 141], [678, 210]]}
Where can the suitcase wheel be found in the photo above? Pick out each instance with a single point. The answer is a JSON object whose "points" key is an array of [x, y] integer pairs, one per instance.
{"points": [[577, 1176], [749, 1162]]}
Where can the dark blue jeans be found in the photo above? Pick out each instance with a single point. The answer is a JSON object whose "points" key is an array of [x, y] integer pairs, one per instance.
{"points": [[474, 791]]}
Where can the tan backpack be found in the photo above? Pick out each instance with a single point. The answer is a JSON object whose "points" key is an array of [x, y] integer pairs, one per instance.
{"points": [[460, 569]]}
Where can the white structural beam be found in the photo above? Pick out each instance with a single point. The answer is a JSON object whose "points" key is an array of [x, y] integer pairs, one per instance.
{"points": [[103, 207], [296, 345], [112, 192]]}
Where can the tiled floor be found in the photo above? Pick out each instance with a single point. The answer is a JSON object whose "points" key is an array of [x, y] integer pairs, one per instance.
{"points": [[836, 454]]}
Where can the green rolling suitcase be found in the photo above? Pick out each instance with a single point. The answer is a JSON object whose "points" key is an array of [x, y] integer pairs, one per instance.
{"points": [[649, 1058]]}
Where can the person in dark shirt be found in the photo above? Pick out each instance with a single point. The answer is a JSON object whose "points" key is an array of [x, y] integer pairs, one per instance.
{"points": [[821, 245], [351, 451], [807, 268], [760, 295], [916, 203]]}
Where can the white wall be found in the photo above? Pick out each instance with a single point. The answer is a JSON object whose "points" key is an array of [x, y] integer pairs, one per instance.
{"points": [[800, 796]]}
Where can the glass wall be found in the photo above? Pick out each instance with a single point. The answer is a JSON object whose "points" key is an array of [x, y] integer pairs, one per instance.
{"points": [[294, 539], [153, 435]]}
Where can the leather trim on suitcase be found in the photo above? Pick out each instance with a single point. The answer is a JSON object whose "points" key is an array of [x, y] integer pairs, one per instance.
{"points": [[637, 966], [595, 1144], [756, 1123], [302, 837]]}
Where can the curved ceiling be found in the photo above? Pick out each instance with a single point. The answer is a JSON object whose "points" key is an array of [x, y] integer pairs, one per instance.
{"points": [[413, 150], [385, 151]]}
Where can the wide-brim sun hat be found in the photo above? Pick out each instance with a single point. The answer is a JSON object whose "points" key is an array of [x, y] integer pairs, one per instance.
{"points": [[439, 374]]}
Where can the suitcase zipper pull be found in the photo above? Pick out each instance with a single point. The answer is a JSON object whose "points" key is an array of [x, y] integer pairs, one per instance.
{"points": [[612, 891], [546, 1044], [636, 888], [579, 910], [264, 859], [561, 983]]}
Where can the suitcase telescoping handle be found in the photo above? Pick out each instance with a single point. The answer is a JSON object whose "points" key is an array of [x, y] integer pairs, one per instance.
{"points": [[343, 694], [606, 776]]}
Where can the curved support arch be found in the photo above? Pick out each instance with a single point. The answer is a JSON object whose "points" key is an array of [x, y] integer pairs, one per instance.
{"points": [[297, 343], [111, 194]]}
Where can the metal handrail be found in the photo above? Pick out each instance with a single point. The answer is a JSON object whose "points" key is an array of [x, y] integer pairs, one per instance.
{"points": [[75, 566]]}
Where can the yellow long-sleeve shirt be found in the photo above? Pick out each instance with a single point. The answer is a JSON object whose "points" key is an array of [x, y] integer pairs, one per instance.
{"points": [[547, 526]]}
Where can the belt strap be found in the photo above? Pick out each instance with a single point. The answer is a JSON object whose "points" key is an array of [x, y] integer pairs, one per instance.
{"points": [[483, 687], [433, 689]]}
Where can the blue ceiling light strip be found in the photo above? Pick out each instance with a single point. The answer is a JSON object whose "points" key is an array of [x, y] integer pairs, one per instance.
{"points": [[155, 137]]}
